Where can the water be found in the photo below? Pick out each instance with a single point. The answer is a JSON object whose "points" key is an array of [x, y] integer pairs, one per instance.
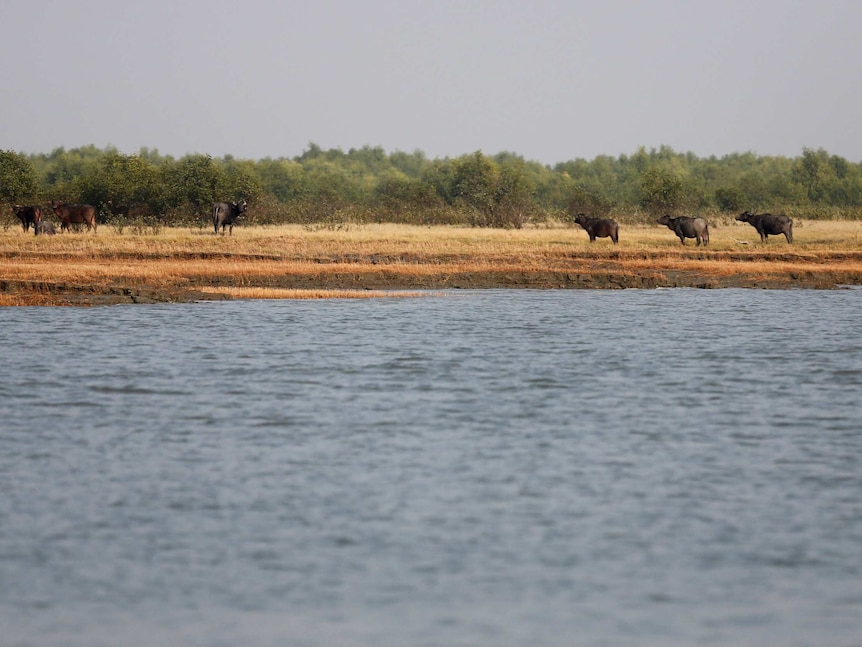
{"points": [[507, 468]]}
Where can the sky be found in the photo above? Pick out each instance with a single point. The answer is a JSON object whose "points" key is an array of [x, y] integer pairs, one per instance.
{"points": [[551, 80]]}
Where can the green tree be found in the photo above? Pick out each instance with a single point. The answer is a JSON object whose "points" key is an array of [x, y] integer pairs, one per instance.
{"points": [[755, 189], [496, 195], [553, 189], [312, 152], [661, 191], [18, 179], [513, 194], [591, 203], [194, 181], [498, 190], [474, 184], [127, 180], [441, 176], [840, 166], [730, 198], [62, 168], [283, 178], [396, 191], [241, 180], [411, 164], [810, 172], [330, 181], [405, 199]]}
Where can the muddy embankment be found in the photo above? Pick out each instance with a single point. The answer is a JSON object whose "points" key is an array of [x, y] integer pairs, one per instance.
{"points": [[88, 278]]}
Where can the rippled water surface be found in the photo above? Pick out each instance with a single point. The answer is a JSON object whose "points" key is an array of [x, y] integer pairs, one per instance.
{"points": [[506, 468]]}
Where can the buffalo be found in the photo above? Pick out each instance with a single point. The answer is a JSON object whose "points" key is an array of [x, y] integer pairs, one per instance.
{"points": [[687, 227], [74, 214], [226, 213], [45, 227], [28, 215], [598, 227], [768, 224]]}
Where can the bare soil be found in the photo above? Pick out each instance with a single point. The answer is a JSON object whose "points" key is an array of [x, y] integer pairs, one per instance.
{"points": [[575, 272]]}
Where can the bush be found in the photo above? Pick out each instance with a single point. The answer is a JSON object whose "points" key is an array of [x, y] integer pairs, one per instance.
{"points": [[661, 192], [18, 180], [588, 202], [729, 199]]}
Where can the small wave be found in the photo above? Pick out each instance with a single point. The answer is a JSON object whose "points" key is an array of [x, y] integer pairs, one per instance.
{"points": [[134, 390], [68, 404]]}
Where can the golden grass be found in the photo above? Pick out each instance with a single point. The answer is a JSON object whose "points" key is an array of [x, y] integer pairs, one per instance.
{"points": [[389, 238], [278, 260]]}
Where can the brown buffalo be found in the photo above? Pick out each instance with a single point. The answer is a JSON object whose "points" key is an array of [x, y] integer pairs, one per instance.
{"points": [[74, 214], [28, 215]]}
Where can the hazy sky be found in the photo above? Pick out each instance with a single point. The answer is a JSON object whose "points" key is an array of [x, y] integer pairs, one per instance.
{"points": [[552, 80]]}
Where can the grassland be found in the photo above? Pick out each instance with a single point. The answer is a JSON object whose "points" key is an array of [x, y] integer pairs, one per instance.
{"points": [[359, 261]]}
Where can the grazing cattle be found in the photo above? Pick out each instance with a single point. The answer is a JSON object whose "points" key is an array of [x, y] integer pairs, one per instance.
{"points": [[687, 227], [28, 215], [72, 214], [598, 227], [45, 227], [226, 213], [768, 224]]}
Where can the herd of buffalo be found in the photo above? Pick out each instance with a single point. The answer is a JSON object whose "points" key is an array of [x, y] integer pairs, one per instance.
{"points": [[69, 214], [766, 224], [225, 214]]}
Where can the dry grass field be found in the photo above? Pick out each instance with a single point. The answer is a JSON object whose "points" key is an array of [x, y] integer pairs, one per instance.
{"points": [[370, 260]]}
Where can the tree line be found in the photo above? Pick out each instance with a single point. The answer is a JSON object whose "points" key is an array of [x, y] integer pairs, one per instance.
{"points": [[370, 185]]}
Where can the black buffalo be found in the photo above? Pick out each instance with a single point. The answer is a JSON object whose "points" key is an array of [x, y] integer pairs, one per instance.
{"points": [[687, 227], [29, 215], [45, 227], [768, 224], [75, 214], [226, 213], [598, 227]]}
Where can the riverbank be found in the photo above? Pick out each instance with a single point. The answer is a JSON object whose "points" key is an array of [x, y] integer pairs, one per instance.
{"points": [[180, 265]]}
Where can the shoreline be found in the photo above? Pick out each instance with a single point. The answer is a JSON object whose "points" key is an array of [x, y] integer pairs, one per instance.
{"points": [[383, 281], [289, 262]]}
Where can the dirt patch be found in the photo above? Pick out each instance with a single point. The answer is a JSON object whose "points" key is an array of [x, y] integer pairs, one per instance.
{"points": [[65, 293]]}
